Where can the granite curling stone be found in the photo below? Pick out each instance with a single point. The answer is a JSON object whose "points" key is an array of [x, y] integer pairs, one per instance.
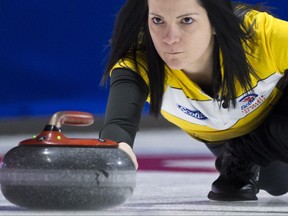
{"points": [[52, 171]]}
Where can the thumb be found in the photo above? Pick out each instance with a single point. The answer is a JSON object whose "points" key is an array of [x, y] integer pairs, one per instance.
{"points": [[126, 148]]}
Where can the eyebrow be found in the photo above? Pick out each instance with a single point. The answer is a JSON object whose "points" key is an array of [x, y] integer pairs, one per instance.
{"points": [[187, 14], [184, 15]]}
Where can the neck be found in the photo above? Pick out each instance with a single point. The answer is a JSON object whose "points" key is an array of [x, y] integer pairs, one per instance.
{"points": [[202, 71], [201, 77]]}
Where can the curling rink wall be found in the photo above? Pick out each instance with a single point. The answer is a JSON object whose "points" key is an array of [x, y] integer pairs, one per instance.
{"points": [[53, 54]]}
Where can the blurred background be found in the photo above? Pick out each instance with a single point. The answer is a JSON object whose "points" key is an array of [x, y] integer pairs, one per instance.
{"points": [[52, 56]]}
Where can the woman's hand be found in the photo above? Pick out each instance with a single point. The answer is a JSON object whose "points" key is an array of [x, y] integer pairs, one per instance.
{"points": [[126, 148]]}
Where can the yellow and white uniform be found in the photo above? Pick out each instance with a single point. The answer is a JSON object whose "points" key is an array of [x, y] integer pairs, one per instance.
{"points": [[202, 117]]}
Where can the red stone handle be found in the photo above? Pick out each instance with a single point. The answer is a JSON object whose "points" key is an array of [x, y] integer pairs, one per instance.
{"points": [[50, 136], [71, 118]]}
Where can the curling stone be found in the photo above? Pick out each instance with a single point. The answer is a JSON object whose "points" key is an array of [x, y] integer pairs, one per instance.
{"points": [[52, 171]]}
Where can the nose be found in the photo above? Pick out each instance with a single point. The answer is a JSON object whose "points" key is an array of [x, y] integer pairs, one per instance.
{"points": [[171, 35]]}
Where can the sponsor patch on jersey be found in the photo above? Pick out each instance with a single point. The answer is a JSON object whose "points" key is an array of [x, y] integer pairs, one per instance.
{"points": [[193, 113], [250, 102]]}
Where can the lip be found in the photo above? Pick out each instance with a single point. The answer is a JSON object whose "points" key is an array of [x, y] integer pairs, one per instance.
{"points": [[173, 53]]}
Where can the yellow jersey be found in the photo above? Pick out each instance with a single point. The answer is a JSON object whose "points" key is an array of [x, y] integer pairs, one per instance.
{"points": [[202, 117]]}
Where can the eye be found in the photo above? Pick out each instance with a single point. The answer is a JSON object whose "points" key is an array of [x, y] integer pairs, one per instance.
{"points": [[187, 20], [157, 20]]}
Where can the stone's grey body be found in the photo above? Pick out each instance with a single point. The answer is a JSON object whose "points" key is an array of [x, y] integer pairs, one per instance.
{"points": [[44, 177]]}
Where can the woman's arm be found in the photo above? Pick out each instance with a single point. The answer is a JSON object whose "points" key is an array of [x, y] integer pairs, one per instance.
{"points": [[128, 93]]}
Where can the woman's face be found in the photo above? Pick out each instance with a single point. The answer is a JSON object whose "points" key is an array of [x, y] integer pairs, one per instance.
{"points": [[181, 33]]}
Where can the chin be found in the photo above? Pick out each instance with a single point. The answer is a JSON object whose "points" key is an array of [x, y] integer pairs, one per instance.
{"points": [[173, 65]]}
